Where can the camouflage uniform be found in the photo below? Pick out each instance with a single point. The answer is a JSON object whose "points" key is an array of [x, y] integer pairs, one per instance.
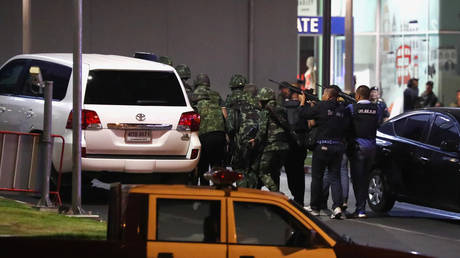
{"points": [[165, 60], [251, 90], [242, 118], [185, 74], [271, 141], [208, 104]]}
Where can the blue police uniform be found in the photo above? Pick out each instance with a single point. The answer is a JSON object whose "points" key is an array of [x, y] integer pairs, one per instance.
{"points": [[294, 165], [365, 118], [332, 120]]}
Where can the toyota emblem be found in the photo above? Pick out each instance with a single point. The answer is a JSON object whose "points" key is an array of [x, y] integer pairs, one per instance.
{"points": [[140, 117]]}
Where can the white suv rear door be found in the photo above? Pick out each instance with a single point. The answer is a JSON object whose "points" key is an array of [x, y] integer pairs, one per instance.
{"points": [[138, 111]]}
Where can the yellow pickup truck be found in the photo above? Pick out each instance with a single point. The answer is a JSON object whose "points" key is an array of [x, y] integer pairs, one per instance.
{"points": [[227, 222], [221, 221]]}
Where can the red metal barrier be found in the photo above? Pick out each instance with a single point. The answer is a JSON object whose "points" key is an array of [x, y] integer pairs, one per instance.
{"points": [[29, 189]]}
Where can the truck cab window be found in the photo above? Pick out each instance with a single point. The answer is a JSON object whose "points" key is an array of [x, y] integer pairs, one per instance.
{"points": [[251, 221], [188, 220]]}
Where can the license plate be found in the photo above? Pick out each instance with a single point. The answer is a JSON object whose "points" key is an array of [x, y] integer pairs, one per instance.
{"points": [[138, 136]]}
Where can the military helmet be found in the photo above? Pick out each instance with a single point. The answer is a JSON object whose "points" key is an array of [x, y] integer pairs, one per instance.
{"points": [[165, 60], [202, 79], [237, 80], [266, 94], [183, 71]]}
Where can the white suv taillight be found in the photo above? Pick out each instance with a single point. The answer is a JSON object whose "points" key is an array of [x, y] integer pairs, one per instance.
{"points": [[189, 121], [89, 120]]}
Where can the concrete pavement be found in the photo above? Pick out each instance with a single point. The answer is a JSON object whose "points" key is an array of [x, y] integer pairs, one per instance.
{"points": [[406, 227]]}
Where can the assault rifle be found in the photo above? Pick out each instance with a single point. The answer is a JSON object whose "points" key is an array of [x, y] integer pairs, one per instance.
{"points": [[311, 96], [348, 99]]}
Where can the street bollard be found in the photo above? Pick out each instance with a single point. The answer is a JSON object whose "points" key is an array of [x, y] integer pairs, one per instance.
{"points": [[46, 146]]}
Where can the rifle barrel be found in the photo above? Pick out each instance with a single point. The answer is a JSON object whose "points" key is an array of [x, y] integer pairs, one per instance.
{"points": [[341, 94], [296, 90]]}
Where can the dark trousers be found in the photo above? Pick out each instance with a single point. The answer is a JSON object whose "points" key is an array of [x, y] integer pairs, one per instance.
{"points": [[295, 173], [212, 153], [344, 182], [326, 156], [360, 167]]}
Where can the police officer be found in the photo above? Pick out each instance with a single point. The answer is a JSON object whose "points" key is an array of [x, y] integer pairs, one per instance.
{"points": [[271, 140], [375, 98], [365, 117], [210, 106], [185, 74], [294, 165], [331, 121], [284, 93]]}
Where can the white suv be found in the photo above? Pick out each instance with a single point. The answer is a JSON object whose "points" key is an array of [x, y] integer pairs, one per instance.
{"points": [[136, 116]]}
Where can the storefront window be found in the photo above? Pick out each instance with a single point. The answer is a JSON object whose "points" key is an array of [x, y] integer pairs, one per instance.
{"points": [[404, 16], [364, 13], [414, 39], [405, 48], [364, 59], [448, 70]]}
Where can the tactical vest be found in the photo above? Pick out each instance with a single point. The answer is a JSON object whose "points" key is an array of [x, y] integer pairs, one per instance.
{"points": [[365, 120], [331, 122]]}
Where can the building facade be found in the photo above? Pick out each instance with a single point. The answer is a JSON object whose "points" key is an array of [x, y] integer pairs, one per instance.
{"points": [[393, 42]]}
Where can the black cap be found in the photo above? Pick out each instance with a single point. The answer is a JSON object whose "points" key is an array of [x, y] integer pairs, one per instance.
{"points": [[337, 88]]}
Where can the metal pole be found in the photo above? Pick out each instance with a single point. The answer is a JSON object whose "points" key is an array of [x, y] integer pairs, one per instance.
{"points": [[349, 46], [46, 143], [25, 26], [326, 65], [251, 42], [76, 112], [377, 48]]}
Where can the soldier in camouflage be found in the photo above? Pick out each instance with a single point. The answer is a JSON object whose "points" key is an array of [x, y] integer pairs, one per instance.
{"points": [[242, 118], [271, 140], [251, 90], [185, 74], [249, 127], [165, 60], [210, 106]]}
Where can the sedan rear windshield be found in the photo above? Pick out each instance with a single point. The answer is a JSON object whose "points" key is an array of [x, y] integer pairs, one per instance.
{"points": [[138, 88]]}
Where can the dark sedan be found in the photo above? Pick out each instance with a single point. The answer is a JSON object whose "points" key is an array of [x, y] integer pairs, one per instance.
{"points": [[418, 161]]}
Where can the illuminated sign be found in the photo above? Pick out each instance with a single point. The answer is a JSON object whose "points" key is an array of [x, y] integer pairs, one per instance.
{"points": [[314, 25]]}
